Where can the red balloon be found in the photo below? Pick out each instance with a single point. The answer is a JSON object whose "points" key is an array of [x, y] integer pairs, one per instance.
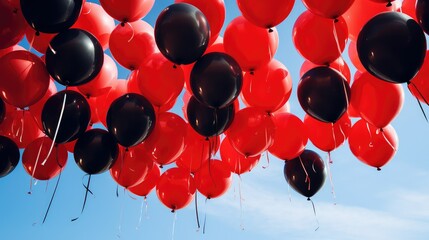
{"points": [[419, 86], [197, 150], [92, 101], [362, 11], [159, 81], [36, 109], [339, 64], [213, 179], [319, 40], [39, 41], [145, 187], [103, 102], [236, 161], [102, 83], [251, 132], [21, 127], [175, 188], [128, 10], [12, 24], [328, 8], [327, 136], [131, 43], [38, 164], [10, 49], [377, 101], [291, 136], [95, 20], [131, 167], [24, 78], [268, 88], [371, 145], [251, 46], [167, 140], [265, 14], [409, 8], [70, 146], [214, 11], [354, 57]]}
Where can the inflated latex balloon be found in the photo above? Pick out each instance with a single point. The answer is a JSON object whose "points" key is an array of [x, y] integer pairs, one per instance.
{"points": [[127, 10], [265, 14], [9, 156], [12, 25]]}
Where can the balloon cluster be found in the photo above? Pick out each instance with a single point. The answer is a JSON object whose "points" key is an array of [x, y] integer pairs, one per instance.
{"points": [[184, 50]]}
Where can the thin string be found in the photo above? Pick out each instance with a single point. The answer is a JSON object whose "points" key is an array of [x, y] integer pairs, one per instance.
{"points": [[307, 177], [144, 202], [196, 211], [52, 198], [424, 99], [89, 11], [205, 216], [268, 161], [328, 166], [174, 225], [315, 214], [121, 217], [132, 29], [241, 203], [371, 144], [22, 126], [334, 137], [87, 190], [34, 168], [388, 141]]}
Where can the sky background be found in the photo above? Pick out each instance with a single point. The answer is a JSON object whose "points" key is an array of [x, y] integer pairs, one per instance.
{"points": [[390, 204]]}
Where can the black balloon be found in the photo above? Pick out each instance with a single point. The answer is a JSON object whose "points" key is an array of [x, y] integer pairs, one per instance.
{"points": [[209, 121], [96, 151], [2, 110], [131, 119], [323, 94], [182, 33], [74, 57], [306, 173], [422, 13], [216, 79], [392, 47], [51, 16], [75, 119], [9, 156]]}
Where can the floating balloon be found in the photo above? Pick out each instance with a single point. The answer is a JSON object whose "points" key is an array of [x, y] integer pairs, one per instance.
{"points": [[306, 173], [96, 151], [38, 164], [324, 94], [127, 11], [213, 179], [237, 162], [395, 54], [290, 138], [51, 16], [328, 8], [265, 14], [209, 121], [175, 188], [75, 115], [216, 80], [12, 25], [24, 78], [145, 187], [9, 156], [131, 119], [182, 33]]}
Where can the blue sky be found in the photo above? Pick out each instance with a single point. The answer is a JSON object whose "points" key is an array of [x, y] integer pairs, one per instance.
{"points": [[391, 204]]}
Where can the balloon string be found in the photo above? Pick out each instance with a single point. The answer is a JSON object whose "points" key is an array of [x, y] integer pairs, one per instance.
{"points": [[174, 225], [337, 41], [328, 166], [388, 141], [288, 191], [52, 49], [31, 43], [56, 130], [266, 140], [34, 168], [268, 161], [241, 203], [315, 214], [196, 212], [87, 190], [334, 137], [89, 11], [121, 217], [370, 135], [141, 213], [47, 185], [53, 195], [307, 177], [132, 34], [205, 216], [421, 95]]}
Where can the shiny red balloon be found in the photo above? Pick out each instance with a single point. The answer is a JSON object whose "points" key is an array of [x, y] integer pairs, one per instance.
{"points": [[291, 136], [319, 40], [409, 8], [21, 127], [237, 162], [36, 109], [213, 179], [328, 8], [145, 187], [24, 78], [131, 43], [251, 46], [252, 131], [127, 10], [10, 49], [354, 57], [39, 41], [265, 14], [339, 64], [327, 136], [175, 188], [131, 167], [268, 88], [377, 101], [371, 145], [12, 24], [419, 85], [38, 164]]}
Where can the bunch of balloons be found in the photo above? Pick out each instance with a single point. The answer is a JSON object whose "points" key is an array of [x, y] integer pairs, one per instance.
{"points": [[184, 50]]}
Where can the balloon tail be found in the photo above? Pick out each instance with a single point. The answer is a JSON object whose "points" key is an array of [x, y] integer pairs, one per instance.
{"points": [[333, 136], [307, 177], [288, 191], [132, 33], [371, 144], [141, 213], [30, 47], [389, 4], [196, 212], [422, 96], [336, 37], [328, 166], [387, 140], [268, 161], [52, 198], [241, 203], [121, 217], [22, 127], [205, 216], [315, 214], [174, 225], [34, 168], [56, 130], [87, 190]]}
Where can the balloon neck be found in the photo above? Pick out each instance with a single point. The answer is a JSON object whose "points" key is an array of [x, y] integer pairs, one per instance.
{"points": [[132, 68], [123, 23], [174, 66], [15, 10], [161, 166], [37, 33], [336, 20], [389, 4], [126, 149], [378, 169], [252, 72], [173, 210], [270, 30], [308, 199]]}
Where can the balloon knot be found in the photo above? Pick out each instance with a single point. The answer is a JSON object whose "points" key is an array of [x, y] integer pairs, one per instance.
{"points": [[15, 10], [308, 199], [252, 72], [123, 23], [378, 169], [126, 149], [37, 33], [132, 68], [389, 4], [174, 66], [173, 210], [91, 124], [336, 20], [160, 166], [270, 30]]}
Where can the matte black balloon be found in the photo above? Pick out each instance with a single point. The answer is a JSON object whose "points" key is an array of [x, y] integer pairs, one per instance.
{"points": [[209, 121], [182, 33], [51, 16], [392, 47], [2, 110], [323, 94], [96, 151], [9, 156], [75, 119], [422, 13], [216, 79], [131, 119], [296, 171], [74, 57]]}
